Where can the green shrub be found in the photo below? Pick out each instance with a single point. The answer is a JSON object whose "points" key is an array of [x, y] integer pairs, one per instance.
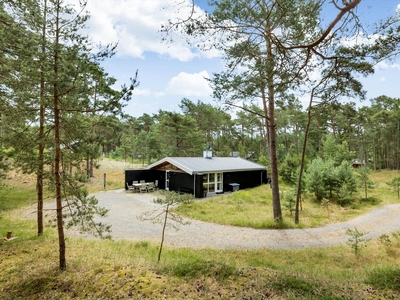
{"points": [[370, 201], [290, 201], [289, 166]]}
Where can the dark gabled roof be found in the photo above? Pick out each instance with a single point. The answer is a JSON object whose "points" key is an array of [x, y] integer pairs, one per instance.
{"points": [[193, 165]]}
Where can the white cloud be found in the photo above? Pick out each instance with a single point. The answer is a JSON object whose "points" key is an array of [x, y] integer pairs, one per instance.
{"points": [[190, 84], [159, 94], [383, 78], [146, 92], [359, 39], [384, 65], [136, 25], [141, 92]]}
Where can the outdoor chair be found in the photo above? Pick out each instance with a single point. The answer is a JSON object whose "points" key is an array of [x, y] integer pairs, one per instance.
{"points": [[143, 188], [142, 181], [150, 187], [130, 188], [135, 186]]}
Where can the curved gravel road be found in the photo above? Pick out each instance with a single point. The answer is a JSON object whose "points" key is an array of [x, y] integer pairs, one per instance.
{"points": [[124, 209]]}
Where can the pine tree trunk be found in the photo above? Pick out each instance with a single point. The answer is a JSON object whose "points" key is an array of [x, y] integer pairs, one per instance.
{"points": [[39, 183], [273, 159], [271, 125], [91, 167], [57, 157], [87, 166], [93, 133], [163, 232], [303, 158]]}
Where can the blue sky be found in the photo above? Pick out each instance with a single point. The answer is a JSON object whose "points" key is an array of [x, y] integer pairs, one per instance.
{"points": [[170, 72]]}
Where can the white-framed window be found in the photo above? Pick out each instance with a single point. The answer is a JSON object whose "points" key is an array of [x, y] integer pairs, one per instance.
{"points": [[212, 182]]}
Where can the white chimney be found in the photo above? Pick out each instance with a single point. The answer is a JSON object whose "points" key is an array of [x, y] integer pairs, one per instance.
{"points": [[207, 154]]}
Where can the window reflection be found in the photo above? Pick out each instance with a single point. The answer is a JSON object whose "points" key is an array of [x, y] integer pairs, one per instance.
{"points": [[212, 182]]}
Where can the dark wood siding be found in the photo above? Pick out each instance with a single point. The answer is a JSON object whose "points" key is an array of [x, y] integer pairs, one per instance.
{"points": [[199, 186], [183, 182], [179, 181], [146, 175], [246, 179]]}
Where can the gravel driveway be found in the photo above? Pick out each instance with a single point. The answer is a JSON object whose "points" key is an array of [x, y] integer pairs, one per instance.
{"points": [[124, 209]]}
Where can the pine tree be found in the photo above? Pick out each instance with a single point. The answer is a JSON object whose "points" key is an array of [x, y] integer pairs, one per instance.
{"points": [[66, 87], [274, 43], [364, 181], [395, 184]]}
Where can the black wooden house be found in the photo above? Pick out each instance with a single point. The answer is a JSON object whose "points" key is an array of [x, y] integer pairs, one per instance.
{"points": [[201, 175]]}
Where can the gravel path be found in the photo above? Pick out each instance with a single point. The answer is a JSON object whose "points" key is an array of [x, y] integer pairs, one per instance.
{"points": [[124, 209]]}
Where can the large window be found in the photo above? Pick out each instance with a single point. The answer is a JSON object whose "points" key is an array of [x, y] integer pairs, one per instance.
{"points": [[212, 182]]}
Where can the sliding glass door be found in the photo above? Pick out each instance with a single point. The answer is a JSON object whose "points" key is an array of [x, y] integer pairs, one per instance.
{"points": [[212, 182]]}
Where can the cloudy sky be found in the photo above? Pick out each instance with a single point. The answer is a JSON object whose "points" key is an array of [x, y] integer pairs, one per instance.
{"points": [[170, 72]]}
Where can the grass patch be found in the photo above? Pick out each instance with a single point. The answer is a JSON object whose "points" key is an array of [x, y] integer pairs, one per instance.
{"points": [[14, 197], [296, 285], [385, 278], [201, 268], [246, 208], [253, 207]]}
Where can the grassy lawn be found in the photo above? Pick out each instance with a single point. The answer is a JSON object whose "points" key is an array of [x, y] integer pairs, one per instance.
{"points": [[129, 270], [253, 207]]}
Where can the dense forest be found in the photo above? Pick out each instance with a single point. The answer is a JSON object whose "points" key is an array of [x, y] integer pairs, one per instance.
{"points": [[60, 112], [366, 134]]}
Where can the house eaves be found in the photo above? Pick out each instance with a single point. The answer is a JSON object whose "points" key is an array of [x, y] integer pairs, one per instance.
{"points": [[193, 165]]}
